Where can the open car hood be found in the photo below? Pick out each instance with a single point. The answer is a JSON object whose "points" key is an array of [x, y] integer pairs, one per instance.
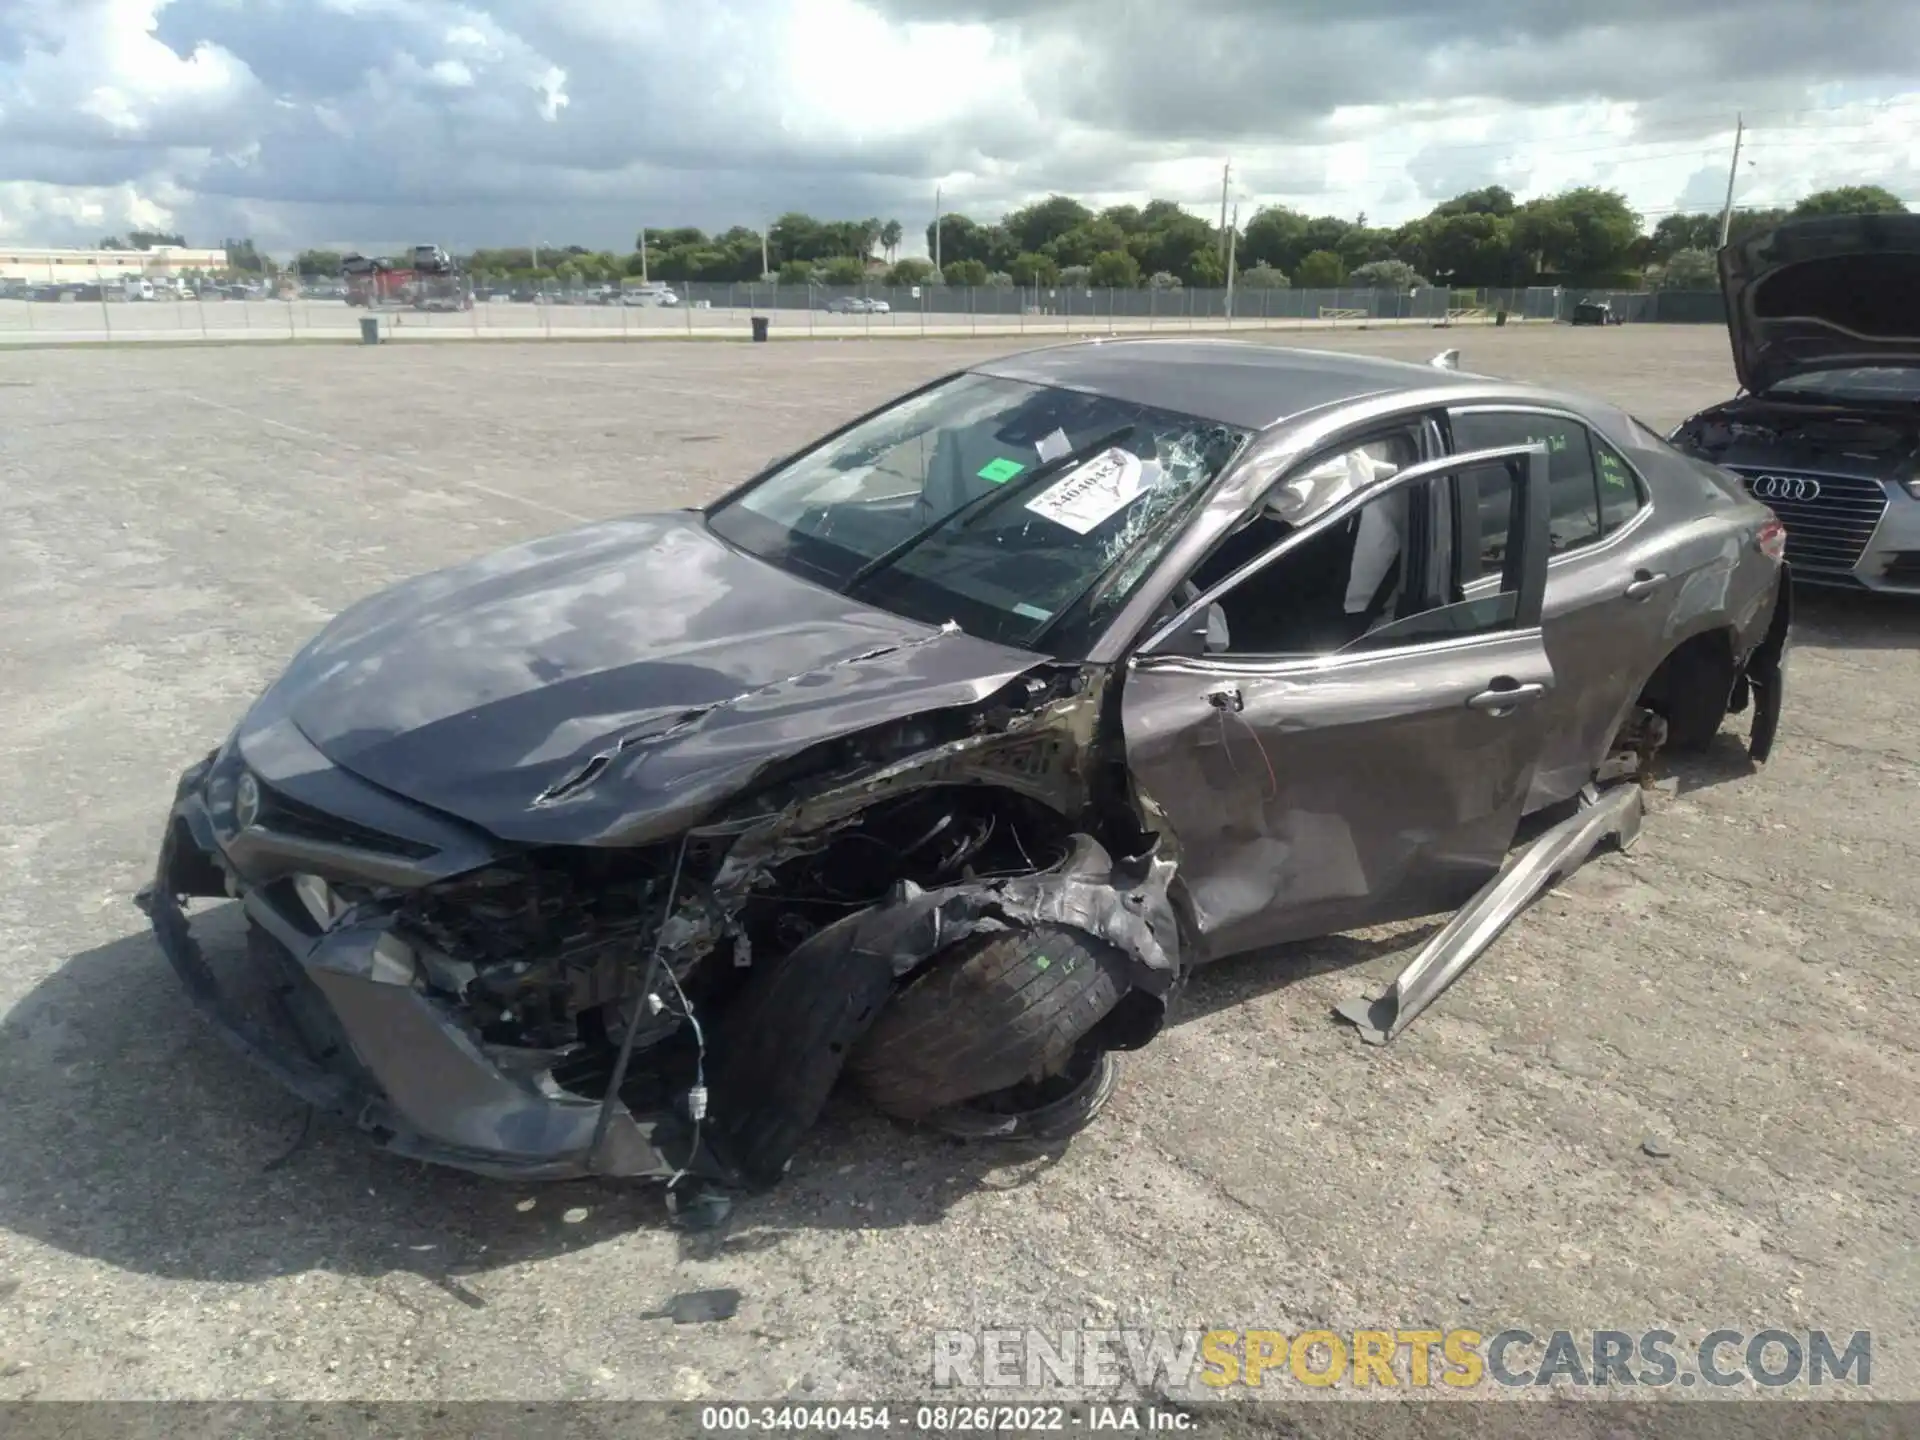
{"points": [[606, 685], [1824, 293]]}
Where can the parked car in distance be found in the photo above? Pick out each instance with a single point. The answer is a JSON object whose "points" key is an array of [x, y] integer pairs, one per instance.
{"points": [[940, 752], [651, 293], [1594, 312], [1826, 427]]}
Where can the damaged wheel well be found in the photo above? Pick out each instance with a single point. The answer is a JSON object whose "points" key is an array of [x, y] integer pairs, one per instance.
{"points": [[1691, 689], [936, 835]]}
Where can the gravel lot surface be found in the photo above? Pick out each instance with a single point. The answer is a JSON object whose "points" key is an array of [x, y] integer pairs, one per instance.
{"points": [[1738, 990]]}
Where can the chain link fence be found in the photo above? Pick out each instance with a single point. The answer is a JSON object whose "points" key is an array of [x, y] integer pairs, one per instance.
{"points": [[664, 310]]}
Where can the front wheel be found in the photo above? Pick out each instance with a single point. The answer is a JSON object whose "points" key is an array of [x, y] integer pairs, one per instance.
{"points": [[996, 1024]]}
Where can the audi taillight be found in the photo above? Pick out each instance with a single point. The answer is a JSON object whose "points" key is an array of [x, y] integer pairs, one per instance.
{"points": [[1772, 540]]}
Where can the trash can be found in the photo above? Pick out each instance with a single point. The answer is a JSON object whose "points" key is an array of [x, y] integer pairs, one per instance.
{"points": [[1500, 316], [369, 329], [759, 327]]}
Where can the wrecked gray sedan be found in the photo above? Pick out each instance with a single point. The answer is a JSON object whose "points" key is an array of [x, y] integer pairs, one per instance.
{"points": [[936, 755]]}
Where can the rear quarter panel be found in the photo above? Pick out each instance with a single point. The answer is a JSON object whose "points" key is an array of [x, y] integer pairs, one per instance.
{"points": [[1709, 529]]}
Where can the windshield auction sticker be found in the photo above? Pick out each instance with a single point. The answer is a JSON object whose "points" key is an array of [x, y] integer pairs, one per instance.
{"points": [[1091, 493]]}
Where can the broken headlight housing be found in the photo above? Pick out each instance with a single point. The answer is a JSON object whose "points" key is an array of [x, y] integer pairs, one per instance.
{"points": [[246, 800]]}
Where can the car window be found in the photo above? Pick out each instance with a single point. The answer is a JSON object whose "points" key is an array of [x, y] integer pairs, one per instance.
{"points": [[1486, 520], [1619, 489], [1574, 501], [1390, 573]]}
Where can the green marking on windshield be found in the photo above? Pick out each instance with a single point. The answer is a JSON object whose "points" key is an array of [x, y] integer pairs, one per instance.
{"points": [[1000, 471]]}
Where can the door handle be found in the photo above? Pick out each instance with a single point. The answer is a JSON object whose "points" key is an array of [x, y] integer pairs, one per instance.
{"points": [[1227, 698], [1644, 584], [1499, 700]]}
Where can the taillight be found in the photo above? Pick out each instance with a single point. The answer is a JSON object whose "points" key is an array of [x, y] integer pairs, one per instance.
{"points": [[1772, 540]]}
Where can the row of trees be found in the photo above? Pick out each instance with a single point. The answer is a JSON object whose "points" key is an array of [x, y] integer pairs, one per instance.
{"points": [[1481, 238], [1584, 236], [142, 240]]}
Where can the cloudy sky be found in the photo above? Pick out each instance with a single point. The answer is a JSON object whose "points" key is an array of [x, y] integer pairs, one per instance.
{"points": [[364, 123]]}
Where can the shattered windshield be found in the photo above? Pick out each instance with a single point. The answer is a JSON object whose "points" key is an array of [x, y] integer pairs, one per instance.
{"points": [[1006, 507]]}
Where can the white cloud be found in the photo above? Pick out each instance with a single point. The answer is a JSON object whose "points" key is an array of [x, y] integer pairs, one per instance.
{"points": [[484, 121]]}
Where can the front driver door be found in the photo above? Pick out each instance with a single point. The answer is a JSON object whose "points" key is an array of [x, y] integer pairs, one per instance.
{"points": [[1336, 777]]}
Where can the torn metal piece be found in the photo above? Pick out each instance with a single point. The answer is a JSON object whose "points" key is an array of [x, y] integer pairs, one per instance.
{"points": [[1767, 675], [1446, 360], [1465, 938], [1039, 753]]}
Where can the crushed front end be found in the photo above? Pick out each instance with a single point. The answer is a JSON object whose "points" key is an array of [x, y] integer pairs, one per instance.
{"points": [[437, 990], [552, 1011]]}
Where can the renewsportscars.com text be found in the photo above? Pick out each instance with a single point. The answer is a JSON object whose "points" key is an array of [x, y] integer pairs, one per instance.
{"points": [[1400, 1358]]}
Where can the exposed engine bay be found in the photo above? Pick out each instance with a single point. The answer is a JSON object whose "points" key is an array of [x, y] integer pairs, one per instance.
{"points": [[550, 957]]}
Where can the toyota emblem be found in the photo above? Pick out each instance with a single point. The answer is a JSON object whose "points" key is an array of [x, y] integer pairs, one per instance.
{"points": [[1785, 487]]}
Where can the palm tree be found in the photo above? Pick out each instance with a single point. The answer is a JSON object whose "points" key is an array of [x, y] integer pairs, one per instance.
{"points": [[890, 234]]}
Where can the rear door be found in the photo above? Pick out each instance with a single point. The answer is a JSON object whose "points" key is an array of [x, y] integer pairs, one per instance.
{"points": [[1612, 581], [1337, 778]]}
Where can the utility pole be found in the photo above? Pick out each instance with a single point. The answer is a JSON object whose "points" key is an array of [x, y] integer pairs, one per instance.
{"points": [[643, 254], [765, 268], [1226, 174], [1233, 234], [936, 229], [1733, 172]]}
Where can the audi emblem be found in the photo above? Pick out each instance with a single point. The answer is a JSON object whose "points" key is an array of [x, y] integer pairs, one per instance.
{"points": [[1785, 487]]}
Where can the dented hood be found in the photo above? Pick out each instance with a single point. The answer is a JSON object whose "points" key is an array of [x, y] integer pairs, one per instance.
{"points": [[1821, 294], [606, 685]]}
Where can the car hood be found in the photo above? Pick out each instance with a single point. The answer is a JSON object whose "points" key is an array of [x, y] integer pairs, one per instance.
{"points": [[609, 684], [1822, 294]]}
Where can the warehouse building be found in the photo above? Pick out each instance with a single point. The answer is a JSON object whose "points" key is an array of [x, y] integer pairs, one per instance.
{"points": [[42, 266]]}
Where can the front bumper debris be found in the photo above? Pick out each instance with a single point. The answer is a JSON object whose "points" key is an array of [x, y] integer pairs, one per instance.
{"points": [[384, 1056]]}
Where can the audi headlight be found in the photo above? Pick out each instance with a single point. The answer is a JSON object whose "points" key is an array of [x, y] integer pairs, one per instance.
{"points": [[1912, 486]]}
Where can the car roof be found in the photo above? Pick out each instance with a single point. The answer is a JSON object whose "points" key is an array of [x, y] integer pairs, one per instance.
{"points": [[1236, 382]]}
